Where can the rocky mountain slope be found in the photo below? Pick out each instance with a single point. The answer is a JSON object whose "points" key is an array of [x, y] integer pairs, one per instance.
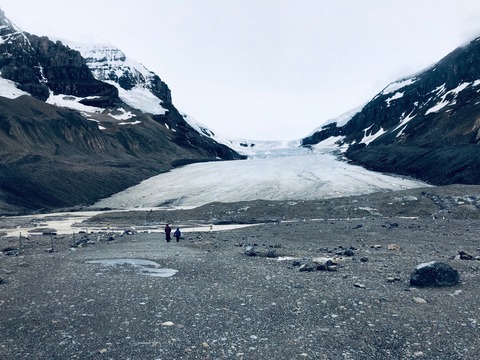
{"points": [[76, 126], [426, 126]]}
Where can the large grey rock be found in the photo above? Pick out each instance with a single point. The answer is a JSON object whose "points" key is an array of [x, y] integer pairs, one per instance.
{"points": [[250, 251], [434, 274]]}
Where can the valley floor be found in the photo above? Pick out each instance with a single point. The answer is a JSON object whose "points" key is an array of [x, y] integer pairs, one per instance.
{"points": [[223, 304]]}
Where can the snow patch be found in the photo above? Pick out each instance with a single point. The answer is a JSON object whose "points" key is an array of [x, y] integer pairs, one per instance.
{"points": [[130, 123], [333, 142], [9, 89], [443, 103], [403, 122], [198, 126], [123, 115], [397, 85], [426, 264], [340, 120], [396, 96], [140, 98], [439, 106], [72, 102], [367, 139]]}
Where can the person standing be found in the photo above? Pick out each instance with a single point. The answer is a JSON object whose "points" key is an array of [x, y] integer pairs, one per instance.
{"points": [[168, 231], [177, 234]]}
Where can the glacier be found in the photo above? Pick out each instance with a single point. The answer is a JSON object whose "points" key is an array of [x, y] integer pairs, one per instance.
{"points": [[273, 171]]}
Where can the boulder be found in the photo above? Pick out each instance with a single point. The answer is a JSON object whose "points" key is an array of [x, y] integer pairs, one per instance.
{"points": [[465, 255], [250, 251], [271, 253], [49, 231], [434, 274], [268, 253], [308, 266], [83, 241]]}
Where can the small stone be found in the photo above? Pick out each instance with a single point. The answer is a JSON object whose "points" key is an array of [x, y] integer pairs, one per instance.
{"points": [[358, 285], [394, 247], [296, 263], [465, 256], [419, 300], [348, 252], [168, 323], [10, 252], [456, 292], [364, 259]]}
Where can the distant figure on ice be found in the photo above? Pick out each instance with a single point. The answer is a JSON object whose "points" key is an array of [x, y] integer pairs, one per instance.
{"points": [[168, 231], [177, 234]]}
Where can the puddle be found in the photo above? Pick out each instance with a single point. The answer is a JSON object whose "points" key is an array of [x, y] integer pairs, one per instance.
{"points": [[144, 267]]}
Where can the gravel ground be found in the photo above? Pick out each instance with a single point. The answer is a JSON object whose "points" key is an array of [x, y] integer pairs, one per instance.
{"points": [[223, 304]]}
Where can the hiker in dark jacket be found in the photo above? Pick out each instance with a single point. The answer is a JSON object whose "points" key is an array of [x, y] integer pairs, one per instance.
{"points": [[168, 231], [177, 234]]}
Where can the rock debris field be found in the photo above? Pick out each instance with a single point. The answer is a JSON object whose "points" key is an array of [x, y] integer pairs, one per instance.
{"points": [[316, 280]]}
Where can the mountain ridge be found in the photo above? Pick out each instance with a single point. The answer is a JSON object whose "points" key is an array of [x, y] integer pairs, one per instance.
{"points": [[70, 135], [99, 122], [425, 126]]}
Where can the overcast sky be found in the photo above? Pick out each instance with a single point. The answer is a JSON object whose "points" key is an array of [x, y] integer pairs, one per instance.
{"points": [[264, 69]]}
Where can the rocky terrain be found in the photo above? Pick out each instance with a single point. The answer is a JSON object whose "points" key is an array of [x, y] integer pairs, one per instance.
{"points": [[206, 297]]}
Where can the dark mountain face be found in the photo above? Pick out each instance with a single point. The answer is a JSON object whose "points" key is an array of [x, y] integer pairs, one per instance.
{"points": [[426, 126], [54, 157]]}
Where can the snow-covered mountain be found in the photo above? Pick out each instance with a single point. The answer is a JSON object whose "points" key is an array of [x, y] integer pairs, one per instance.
{"points": [[425, 126], [138, 87], [78, 123], [81, 122]]}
